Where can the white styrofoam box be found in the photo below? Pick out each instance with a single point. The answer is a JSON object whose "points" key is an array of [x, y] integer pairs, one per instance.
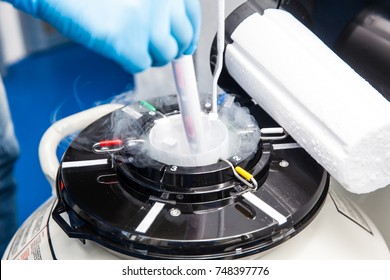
{"points": [[332, 112]]}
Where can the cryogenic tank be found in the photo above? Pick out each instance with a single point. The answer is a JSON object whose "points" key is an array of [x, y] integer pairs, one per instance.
{"points": [[125, 189], [114, 200]]}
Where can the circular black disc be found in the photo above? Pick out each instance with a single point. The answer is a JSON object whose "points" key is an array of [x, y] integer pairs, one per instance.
{"points": [[136, 206]]}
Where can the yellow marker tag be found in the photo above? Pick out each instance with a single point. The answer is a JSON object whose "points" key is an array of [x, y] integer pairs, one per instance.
{"points": [[244, 173]]}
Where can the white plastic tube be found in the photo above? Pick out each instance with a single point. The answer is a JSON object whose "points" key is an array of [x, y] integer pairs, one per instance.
{"points": [[220, 49], [189, 103]]}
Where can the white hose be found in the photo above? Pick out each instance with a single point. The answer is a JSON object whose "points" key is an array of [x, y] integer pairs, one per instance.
{"points": [[59, 130], [220, 50]]}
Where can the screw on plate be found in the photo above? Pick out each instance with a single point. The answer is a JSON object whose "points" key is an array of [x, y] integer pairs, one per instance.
{"points": [[283, 163], [174, 212]]}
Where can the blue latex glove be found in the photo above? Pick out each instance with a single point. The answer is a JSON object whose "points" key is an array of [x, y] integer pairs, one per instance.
{"points": [[135, 33]]}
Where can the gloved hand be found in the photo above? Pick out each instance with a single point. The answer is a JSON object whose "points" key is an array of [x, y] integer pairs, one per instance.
{"points": [[135, 33]]}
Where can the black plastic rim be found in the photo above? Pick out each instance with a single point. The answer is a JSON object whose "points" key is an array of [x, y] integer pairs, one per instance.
{"points": [[202, 212]]}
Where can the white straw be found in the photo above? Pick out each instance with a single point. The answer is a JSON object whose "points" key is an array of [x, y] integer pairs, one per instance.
{"points": [[220, 50]]}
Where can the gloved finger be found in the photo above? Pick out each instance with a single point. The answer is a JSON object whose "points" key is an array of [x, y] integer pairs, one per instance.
{"points": [[133, 62], [181, 27], [194, 14], [163, 49], [131, 48], [131, 54], [162, 46]]}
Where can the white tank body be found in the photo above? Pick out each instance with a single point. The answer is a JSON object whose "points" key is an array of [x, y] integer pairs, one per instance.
{"points": [[339, 231]]}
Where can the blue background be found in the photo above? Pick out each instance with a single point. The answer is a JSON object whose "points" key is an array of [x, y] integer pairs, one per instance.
{"points": [[48, 86]]}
